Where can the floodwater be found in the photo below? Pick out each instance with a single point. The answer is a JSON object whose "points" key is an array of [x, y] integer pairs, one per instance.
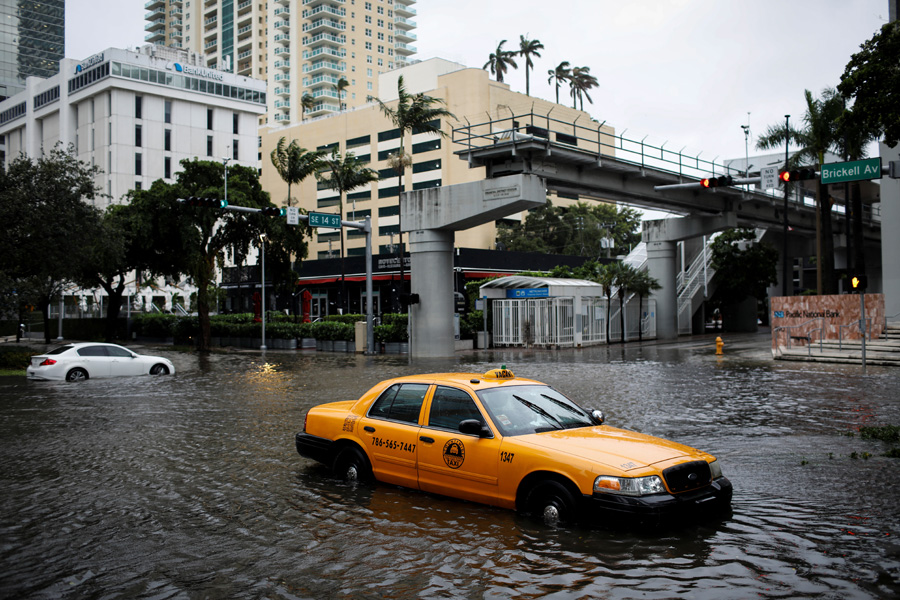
{"points": [[190, 486]]}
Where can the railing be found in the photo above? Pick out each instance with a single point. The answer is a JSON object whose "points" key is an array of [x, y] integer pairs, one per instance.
{"points": [[867, 329], [807, 333]]}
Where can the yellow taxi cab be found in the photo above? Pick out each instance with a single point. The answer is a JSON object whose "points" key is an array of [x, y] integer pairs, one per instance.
{"points": [[510, 442]]}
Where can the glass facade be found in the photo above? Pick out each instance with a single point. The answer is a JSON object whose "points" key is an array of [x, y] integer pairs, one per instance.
{"points": [[32, 41]]}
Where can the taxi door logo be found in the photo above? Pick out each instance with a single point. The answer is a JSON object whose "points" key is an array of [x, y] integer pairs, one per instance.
{"points": [[454, 453]]}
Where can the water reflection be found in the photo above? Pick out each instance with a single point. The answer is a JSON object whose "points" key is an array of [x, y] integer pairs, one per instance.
{"points": [[190, 486]]}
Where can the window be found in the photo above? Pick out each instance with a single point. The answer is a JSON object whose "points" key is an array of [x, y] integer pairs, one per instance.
{"points": [[234, 150], [450, 406], [137, 136], [167, 117], [137, 164], [138, 107], [167, 167], [167, 140], [209, 145], [234, 123], [368, 32], [368, 19], [369, 47], [209, 118], [400, 402]]}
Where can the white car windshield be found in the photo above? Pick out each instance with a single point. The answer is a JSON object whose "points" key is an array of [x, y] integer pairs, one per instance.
{"points": [[524, 409]]}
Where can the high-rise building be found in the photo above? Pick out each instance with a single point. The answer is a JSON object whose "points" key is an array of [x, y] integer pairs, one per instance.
{"points": [[318, 56], [32, 41]]}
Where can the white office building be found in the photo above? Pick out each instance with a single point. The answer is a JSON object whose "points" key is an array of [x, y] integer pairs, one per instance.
{"points": [[136, 115]]}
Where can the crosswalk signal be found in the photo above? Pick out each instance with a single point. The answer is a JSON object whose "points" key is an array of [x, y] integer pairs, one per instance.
{"points": [[272, 211], [207, 202], [859, 283], [797, 175], [714, 182]]}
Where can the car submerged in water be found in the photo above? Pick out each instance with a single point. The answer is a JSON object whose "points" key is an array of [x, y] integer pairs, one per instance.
{"points": [[514, 443], [81, 361]]}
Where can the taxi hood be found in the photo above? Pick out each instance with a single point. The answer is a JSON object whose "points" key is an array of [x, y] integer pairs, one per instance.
{"points": [[616, 448]]}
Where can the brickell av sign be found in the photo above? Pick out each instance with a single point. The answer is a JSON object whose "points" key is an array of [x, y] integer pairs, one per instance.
{"points": [[856, 170]]}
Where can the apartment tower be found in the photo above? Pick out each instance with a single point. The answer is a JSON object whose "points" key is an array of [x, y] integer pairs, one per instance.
{"points": [[317, 56], [32, 39]]}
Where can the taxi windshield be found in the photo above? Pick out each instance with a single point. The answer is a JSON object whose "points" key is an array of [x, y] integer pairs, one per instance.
{"points": [[524, 409]]}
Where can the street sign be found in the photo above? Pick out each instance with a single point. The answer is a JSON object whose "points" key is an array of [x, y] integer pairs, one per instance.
{"points": [[769, 177], [528, 293], [293, 215], [855, 170], [324, 220]]}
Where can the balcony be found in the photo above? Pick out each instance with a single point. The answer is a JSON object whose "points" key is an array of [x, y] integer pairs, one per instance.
{"points": [[401, 35], [245, 54], [158, 13], [315, 40], [282, 104], [325, 8], [319, 80], [324, 51], [324, 66], [283, 78], [284, 38], [175, 34], [283, 2], [154, 25], [325, 93], [152, 4], [402, 23], [404, 49], [176, 12], [157, 37], [245, 68], [283, 52], [245, 33], [322, 108], [245, 6], [210, 46], [403, 10], [323, 26], [282, 91], [211, 20], [282, 117], [283, 12], [314, 3], [282, 25], [175, 3], [284, 65]]}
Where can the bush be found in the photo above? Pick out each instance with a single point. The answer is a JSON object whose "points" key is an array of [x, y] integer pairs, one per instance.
{"points": [[332, 330], [348, 318], [15, 360], [392, 329], [154, 325]]}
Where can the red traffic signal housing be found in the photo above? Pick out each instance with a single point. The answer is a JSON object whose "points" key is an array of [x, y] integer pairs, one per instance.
{"points": [[797, 175], [714, 182]]}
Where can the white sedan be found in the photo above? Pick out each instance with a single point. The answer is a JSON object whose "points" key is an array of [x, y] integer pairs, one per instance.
{"points": [[77, 362]]}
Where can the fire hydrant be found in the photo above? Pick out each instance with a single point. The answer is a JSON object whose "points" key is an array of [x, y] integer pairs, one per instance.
{"points": [[719, 345]]}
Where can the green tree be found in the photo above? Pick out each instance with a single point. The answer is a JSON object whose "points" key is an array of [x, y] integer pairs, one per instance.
{"points": [[580, 81], [818, 136], [417, 113], [344, 174], [559, 76], [872, 80], [500, 61], [606, 277], [625, 280], [643, 285], [527, 49], [307, 103], [743, 268], [293, 163], [46, 223], [342, 85]]}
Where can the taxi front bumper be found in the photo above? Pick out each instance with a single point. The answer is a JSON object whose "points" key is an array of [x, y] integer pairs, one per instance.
{"points": [[658, 508]]}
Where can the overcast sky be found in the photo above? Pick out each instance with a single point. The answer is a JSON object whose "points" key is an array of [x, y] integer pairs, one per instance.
{"points": [[682, 72]]}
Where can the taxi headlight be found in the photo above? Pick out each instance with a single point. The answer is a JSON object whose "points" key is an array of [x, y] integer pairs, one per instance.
{"points": [[629, 486], [715, 469]]}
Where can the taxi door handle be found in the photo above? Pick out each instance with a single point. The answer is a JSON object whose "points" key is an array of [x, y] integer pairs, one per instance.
{"points": [[427, 440], [369, 428]]}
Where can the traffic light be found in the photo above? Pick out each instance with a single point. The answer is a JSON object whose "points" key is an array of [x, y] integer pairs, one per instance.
{"points": [[207, 202], [859, 283], [407, 299], [797, 175], [272, 211], [714, 182]]}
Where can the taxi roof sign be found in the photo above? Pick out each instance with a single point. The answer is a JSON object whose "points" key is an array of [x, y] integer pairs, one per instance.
{"points": [[501, 373]]}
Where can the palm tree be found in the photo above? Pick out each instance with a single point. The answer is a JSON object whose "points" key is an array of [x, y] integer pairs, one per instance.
{"points": [[818, 136], [413, 112], [606, 277], [294, 163], [307, 103], [560, 75], [625, 276], [342, 85], [344, 174], [643, 285], [500, 60], [580, 82], [527, 49]]}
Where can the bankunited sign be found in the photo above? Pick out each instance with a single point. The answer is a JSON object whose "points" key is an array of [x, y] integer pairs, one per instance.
{"points": [[196, 71], [857, 170]]}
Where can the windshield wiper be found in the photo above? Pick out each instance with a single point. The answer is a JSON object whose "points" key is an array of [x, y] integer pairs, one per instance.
{"points": [[563, 405], [539, 411]]}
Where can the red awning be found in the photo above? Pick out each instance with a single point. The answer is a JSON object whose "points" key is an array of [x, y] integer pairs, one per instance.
{"points": [[484, 274]]}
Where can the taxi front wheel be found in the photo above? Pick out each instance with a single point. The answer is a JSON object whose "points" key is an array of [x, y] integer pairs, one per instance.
{"points": [[552, 503], [351, 465]]}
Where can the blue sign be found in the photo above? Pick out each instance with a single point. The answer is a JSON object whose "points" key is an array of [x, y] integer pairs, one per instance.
{"points": [[528, 293], [779, 314]]}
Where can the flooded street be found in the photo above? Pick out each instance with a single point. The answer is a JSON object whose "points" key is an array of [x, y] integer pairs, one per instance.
{"points": [[190, 486]]}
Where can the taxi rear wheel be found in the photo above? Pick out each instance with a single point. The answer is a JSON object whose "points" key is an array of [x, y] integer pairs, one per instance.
{"points": [[351, 465], [552, 503]]}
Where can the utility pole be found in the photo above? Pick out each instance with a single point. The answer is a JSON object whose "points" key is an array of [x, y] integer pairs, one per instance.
{"points": [[786, 273]]}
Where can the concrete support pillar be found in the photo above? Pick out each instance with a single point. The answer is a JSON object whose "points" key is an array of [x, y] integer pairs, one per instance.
{"points": [[431, 276], [662, 267]]}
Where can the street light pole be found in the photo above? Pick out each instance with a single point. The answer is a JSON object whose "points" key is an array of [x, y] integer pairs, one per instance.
{"points": [[785, 271], [263, 296]]}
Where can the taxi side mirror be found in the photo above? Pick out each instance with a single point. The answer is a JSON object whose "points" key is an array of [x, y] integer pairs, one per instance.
{"points": [[473, 427], [597, 416]]}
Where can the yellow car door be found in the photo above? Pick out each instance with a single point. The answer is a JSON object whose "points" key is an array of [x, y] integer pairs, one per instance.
{"points": [[454, 463]]}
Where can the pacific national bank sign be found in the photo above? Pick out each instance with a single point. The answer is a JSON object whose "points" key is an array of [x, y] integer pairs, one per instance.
{"points": [[195, 71]]}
